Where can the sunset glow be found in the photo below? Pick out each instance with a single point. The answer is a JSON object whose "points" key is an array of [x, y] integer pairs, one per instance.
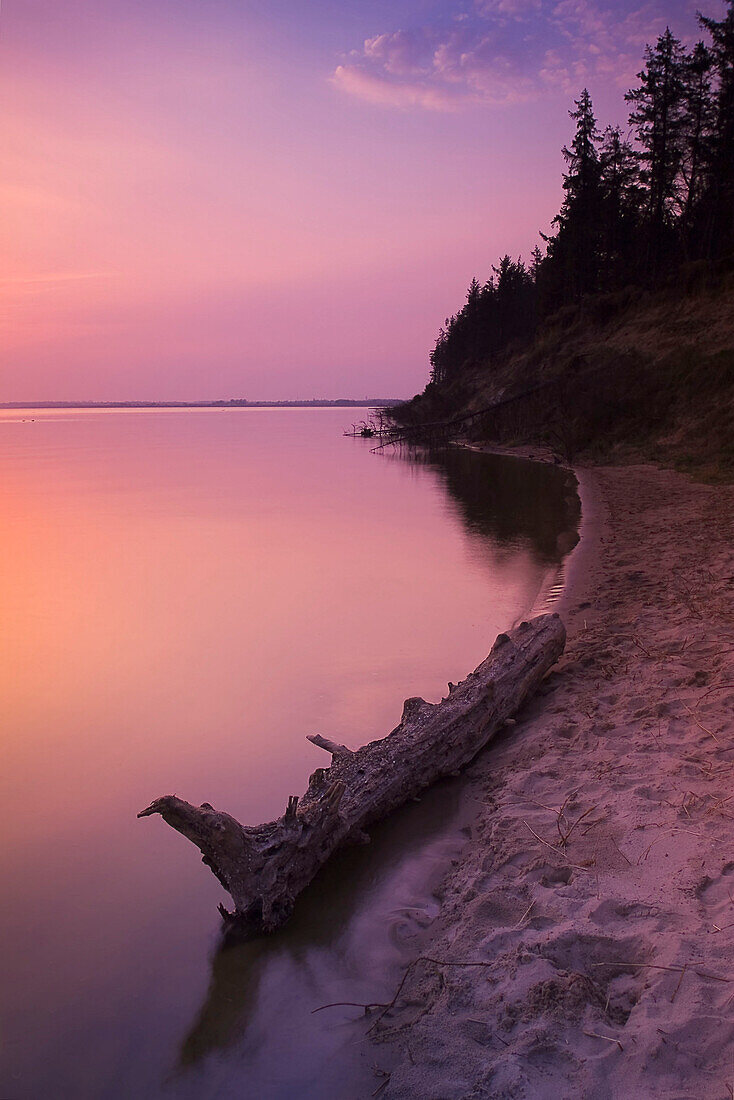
{"points": [[237, 199]]}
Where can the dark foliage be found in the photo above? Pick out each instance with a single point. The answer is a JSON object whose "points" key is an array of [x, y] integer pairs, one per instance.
{"points": [[634, 212]]}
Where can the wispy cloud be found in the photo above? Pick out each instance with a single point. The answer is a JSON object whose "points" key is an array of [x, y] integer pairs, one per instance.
{"points": [[53, 278], [373, 87], [502, 52]]}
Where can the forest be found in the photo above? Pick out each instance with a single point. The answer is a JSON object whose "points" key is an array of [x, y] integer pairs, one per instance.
{"points": [[639, 204]]}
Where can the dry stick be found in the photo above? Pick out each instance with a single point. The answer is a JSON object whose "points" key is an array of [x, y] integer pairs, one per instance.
{"points": [[379, 1088], [697, 763], [701, 725], [560, 815], [675, 992], [624, 857], [609, 1038], [391, 1004], [325, 743], [349, 1004], [657, 966], [638, 643], [565, 839], [525, 914], [544, 842], [716, 687], [422, 958], [593, 824], [576, 866], [718, 804]]}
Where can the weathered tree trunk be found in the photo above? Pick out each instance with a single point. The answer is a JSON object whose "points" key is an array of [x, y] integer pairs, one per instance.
{"points": [[265, 867]]}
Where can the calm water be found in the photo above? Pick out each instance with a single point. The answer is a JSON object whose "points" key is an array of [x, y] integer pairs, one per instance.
{"points": [[186, 595]]}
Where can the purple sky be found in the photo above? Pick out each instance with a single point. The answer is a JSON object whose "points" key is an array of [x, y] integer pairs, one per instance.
{"points": [[222, 198]]}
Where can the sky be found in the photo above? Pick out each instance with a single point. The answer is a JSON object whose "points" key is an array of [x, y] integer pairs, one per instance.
{"points": [[272, 199]]}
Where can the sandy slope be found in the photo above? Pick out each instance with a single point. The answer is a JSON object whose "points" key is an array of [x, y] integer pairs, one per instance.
{"points": [[636, 733]]}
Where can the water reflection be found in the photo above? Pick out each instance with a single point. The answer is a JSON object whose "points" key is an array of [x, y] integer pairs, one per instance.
{"points": [[355, 927], [186, 594], [509, 501], [351, 932]]}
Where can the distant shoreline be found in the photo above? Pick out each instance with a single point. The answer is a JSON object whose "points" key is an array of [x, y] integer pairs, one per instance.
{"points": [[346, 403]]}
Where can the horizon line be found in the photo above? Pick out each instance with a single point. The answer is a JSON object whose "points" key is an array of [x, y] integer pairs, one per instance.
{"points": [[232, 402]]}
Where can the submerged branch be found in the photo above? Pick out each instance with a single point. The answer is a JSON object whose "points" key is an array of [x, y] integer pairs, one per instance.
{"points": [[265, 867]]}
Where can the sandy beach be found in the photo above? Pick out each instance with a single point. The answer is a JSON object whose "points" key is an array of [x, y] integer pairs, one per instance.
{"points": [[594, 898]]}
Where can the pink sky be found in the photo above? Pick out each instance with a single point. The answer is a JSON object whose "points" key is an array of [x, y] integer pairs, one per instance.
{"points": [[222, 198]]}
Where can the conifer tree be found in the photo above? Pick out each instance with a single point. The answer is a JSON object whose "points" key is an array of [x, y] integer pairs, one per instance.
{"points": [[632, 211], [573, 252], [620, 198], [658, 120], [721, 191], [698, 130]]}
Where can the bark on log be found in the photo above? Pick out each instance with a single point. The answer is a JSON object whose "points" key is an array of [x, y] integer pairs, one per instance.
{"points": [[265, 867]]}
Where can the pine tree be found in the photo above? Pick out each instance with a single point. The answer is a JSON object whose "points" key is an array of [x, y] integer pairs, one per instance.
{"points": [[620, 198], [721, 191], [657, 119], [630, 210], [472, 323], [573, 252], [582, 158], [538, 258], [473, 295], [698, 130]]}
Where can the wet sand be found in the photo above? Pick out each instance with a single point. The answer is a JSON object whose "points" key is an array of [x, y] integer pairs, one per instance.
{"points": [[596, 890]]}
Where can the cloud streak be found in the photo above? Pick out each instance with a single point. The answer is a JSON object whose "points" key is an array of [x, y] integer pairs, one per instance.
{"points": [[503, 52]]}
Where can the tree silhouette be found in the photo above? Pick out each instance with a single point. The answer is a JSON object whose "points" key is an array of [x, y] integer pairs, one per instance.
{"points": [[658, 120], [634, 208], [720, 236]]}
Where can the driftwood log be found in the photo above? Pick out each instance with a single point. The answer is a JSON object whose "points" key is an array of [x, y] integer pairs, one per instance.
{"points": [[265, 867]]}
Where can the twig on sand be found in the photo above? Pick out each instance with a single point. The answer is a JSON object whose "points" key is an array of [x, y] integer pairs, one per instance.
{"points": [[673, 969], [349, 1004], [701, 725], [384, 1074], [564, 825], [716, 687], [609, 1038], [639, 645], [525, 914], [668, 833], [565, 831], [675, 991], [624, 857], [386, 1006], [718, 804], [552, 847], [556, 851]]}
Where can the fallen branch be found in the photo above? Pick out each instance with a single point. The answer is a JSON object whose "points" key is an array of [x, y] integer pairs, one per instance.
{"points": [[387, 1005], [264, 868], [330, 746]]}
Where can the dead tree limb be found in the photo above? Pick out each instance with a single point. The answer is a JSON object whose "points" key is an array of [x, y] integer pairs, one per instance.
{"points": [[324, 743], [266, 867]]}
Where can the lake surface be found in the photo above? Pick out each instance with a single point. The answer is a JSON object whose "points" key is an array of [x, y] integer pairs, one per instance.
{"points": [[185, 595]]}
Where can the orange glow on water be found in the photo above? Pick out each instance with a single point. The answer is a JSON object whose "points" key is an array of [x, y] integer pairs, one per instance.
{"points": [[186, 595]]}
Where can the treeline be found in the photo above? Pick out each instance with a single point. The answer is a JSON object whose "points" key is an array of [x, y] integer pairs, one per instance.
{"points": [[636, 206]]}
